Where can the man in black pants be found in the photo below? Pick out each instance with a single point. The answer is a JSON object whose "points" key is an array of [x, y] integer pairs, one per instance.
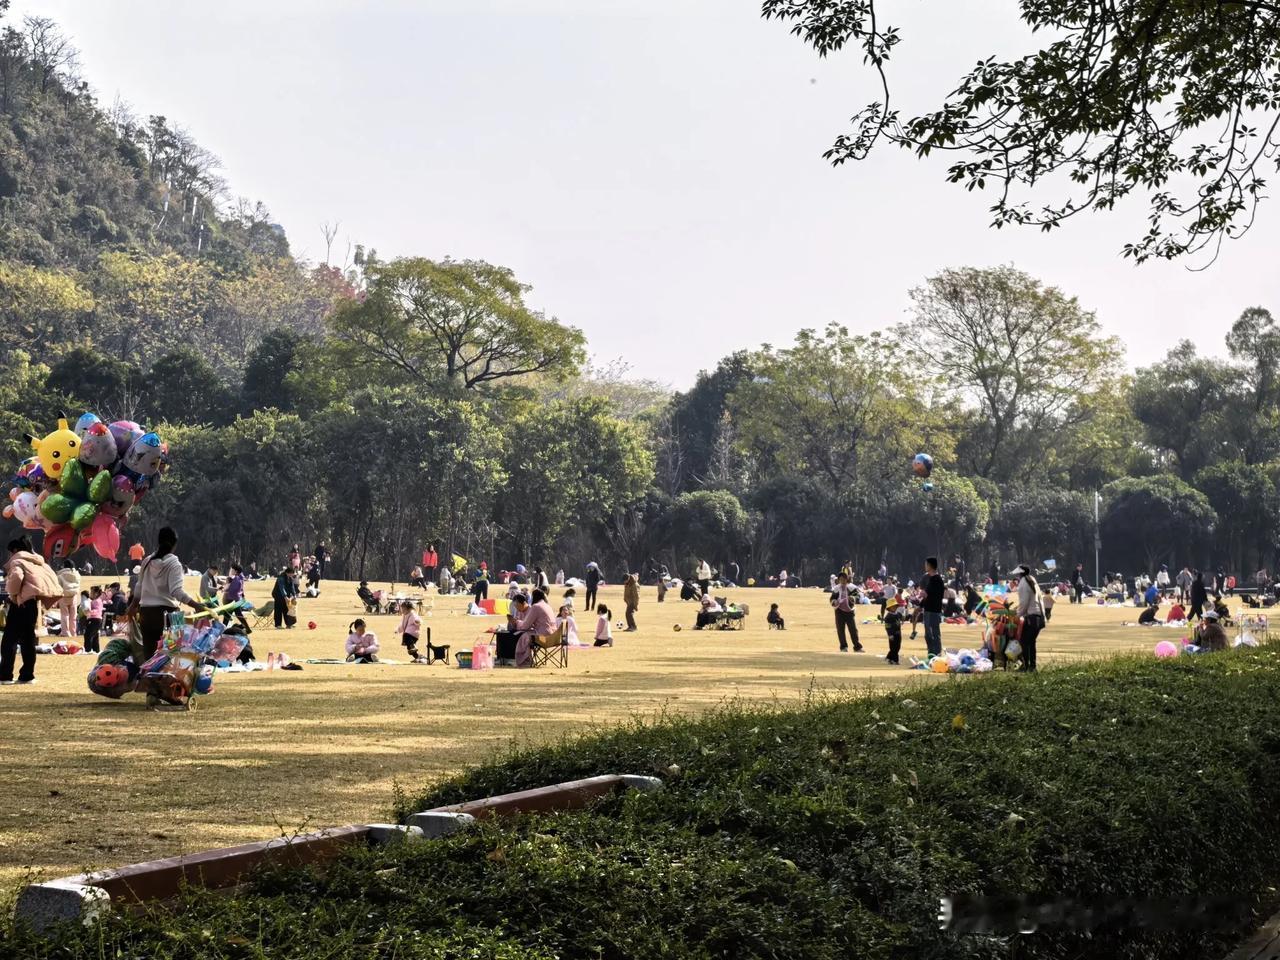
{"points": [[1077, 583], [842, 598], [931, 606], [593, 584]]}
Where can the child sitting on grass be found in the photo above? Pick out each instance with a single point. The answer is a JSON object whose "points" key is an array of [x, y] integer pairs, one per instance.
{"points": [[774, 618], [410, 630], [362, 644], [565, 619], [604, 631]]}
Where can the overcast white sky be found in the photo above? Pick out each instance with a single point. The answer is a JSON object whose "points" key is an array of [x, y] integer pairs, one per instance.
{"points": [[652, 168]]}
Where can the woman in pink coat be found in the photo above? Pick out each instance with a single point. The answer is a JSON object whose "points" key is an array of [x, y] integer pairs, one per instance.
{"points": [[28, 581]]}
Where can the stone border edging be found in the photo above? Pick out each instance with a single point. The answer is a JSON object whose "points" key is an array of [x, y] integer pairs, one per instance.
{"points": [[86, 897]]}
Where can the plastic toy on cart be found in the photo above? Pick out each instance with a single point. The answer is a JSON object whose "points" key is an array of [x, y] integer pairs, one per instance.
{"points": [[182, 668]]}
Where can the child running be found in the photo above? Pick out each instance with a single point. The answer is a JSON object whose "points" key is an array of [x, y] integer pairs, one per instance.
{"points": [[410, 631], [604, 631], [362, 644]]}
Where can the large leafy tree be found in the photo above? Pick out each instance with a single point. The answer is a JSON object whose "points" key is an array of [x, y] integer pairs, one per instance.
{"points": [[40, 309], [1021, 354], [707, 525], [1244, 497], [1042, 522], [1154, 520], [183, 387], [689, 429], [146, 305], [1185, 405], [110, 387], [462, 321], [574, 465], [1172, 100], [839, 407], [399, 468], [268, 374], [28, 404], [1254, 339]]}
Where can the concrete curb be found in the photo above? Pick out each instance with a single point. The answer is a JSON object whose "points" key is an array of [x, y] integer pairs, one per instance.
{"points": [[86, 897]]}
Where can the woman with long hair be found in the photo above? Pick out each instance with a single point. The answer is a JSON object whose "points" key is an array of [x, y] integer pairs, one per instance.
{"points": [[160, 591], [1030, 615]]}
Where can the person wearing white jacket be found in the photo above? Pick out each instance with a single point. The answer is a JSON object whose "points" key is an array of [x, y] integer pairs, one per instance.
{"points": [[69, 579], [704, 577]]}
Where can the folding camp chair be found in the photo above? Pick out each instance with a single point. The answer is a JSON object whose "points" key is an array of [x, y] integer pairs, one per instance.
{"points": [[553, 648], [262, 614], [434, 653]]}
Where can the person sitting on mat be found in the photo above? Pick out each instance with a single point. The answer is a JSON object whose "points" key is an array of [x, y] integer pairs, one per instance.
{"points": [[565, 619], [604, 629], [362, 644]]}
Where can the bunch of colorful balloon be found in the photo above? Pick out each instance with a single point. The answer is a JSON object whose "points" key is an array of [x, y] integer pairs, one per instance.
{"points": [[81, 484]]}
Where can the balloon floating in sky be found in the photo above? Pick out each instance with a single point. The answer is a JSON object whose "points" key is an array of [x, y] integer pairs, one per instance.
{"points": [[922, 465]]}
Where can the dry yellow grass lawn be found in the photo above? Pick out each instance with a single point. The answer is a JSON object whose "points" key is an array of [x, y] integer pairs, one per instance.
{"points": [[90, 782]]}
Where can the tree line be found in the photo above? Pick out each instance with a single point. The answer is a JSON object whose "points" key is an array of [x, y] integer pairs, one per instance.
{"points": [[382, 403]]}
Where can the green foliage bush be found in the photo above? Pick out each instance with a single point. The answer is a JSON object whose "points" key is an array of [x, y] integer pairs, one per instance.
{"points": [[830, 830]]}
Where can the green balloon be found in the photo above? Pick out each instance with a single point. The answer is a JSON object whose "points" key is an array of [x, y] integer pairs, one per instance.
{"points": [[73, 483], [100, 487], [83, 515], [57, 508]]}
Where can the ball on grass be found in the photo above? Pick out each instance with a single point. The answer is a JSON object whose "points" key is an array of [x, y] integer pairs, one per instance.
{"points": [[311, 624], [1165, 649], [676, 628]]}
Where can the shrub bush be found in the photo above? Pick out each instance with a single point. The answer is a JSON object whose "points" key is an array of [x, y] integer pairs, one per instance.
{"points": [[826, 831]]}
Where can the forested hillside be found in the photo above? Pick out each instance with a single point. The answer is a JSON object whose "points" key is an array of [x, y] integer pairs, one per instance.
{"points": [[378, 404]]}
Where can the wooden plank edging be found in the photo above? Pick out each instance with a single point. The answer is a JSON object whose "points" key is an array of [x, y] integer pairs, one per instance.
{"points": [[86, 897]]}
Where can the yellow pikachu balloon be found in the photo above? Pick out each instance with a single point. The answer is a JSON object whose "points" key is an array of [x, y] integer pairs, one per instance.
{"points": [[56, 450]]}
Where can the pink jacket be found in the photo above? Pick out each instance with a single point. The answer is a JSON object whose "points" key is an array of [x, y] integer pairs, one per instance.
{"points": [[361, 644], [28, 577], [538, 620]]}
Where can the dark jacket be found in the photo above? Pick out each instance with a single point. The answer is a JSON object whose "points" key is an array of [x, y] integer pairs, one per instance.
{"points": [[1199, 594], [284, 587], [934, 588]]}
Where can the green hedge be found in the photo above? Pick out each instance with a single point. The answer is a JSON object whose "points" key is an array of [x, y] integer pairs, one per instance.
{"points": [[821, 832]]}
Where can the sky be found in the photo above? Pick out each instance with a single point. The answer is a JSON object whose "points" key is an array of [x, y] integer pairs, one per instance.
{"points": [[652, 169]]}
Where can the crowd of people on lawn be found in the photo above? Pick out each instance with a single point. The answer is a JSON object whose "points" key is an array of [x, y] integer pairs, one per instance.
{"points": [[155, 588]]}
